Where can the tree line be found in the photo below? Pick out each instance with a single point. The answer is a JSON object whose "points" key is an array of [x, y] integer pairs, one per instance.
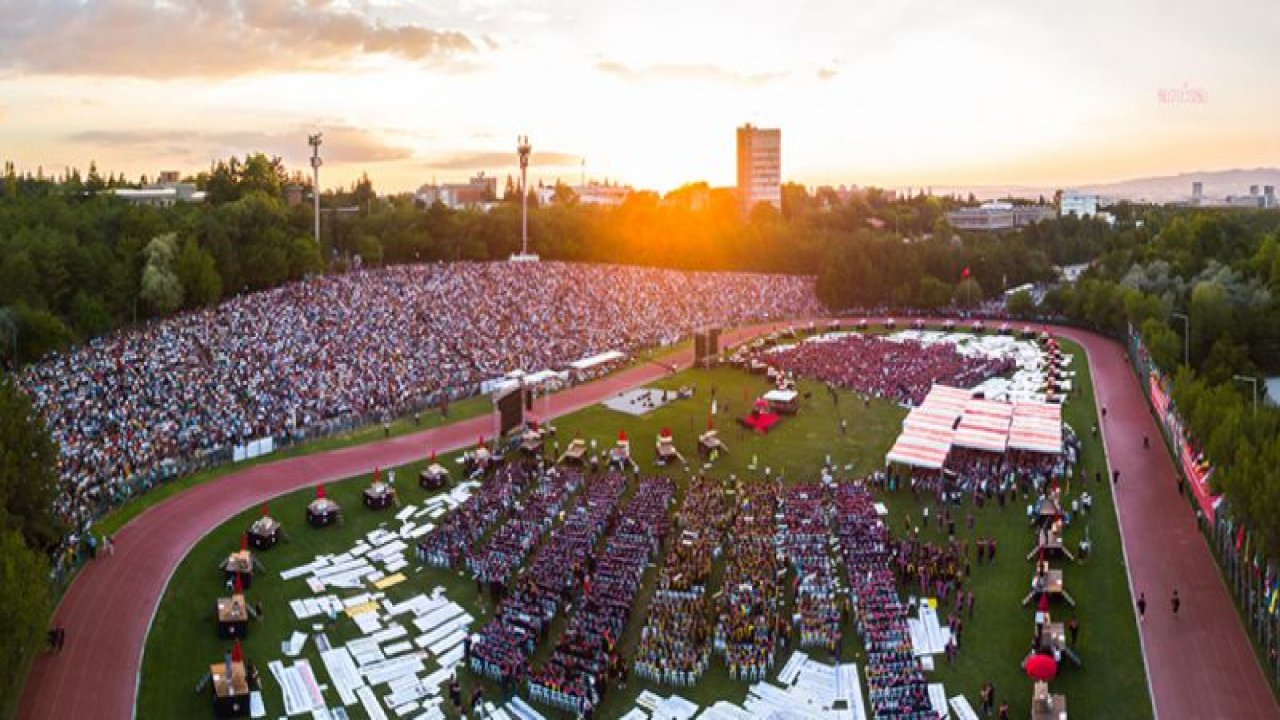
{"points": [[76, 261], [27, 532], [1203, 290]]}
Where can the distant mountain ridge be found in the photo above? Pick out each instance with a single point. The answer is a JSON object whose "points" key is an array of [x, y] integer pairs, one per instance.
{"points": [[1217, 184], [1157, 189]]}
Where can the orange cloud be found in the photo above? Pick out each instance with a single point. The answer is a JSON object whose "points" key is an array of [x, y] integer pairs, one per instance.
{"points": [[205, 38], [341, 144]]}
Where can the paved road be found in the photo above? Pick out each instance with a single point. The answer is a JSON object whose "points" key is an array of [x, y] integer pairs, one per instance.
{"points": [[1201, 664]]}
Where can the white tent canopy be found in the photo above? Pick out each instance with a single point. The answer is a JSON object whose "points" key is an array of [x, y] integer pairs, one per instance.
{"points": [[592, 361], [781, 396]]}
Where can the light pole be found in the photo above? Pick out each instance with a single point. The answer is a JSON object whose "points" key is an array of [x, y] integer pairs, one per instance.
{"points": [[1186, 338], [522, 149], [316, 162], [1252, 381]]}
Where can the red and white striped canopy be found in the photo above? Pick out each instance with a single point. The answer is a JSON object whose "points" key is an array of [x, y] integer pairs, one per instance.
{"points": [[929, 431], [919, 451]]}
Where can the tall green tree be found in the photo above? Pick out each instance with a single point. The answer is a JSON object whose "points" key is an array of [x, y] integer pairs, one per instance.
{"points": [[1211, 315], [27, 529], [1164, 345], [198, 275], [161, 288], [968, 292], [27, 461], [25, 612], [1020, 304]]}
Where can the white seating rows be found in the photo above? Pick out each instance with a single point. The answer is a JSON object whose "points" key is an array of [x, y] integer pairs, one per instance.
{"points": [[344, 674], [938, 698], [963, 710]]}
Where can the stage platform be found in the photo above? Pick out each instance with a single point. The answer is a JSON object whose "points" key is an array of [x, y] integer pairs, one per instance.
{"points": [[760, 422], [640, 402]]}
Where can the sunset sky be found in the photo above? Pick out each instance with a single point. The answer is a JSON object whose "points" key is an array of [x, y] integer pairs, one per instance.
{"points": [[883, 92]]}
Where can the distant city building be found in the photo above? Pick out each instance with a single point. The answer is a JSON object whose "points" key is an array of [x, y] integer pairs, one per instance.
{"points": [[1078, 204], [167, 191], [1265, 199], [293, 194], [593, 193], [998, 216], [478, 192], [759, 167]]}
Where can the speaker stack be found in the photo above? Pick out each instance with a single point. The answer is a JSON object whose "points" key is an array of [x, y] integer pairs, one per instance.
{"points": [[706, 347]]}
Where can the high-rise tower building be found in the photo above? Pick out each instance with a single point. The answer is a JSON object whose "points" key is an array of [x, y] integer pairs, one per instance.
{"points": [[759, 167]]}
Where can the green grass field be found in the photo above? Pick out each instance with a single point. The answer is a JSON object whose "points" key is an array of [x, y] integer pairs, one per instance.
{"points": [[183, 642]]}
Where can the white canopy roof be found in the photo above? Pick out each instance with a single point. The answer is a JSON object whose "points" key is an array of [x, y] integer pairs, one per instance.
{"points": [[781, 396], [592, 361]]}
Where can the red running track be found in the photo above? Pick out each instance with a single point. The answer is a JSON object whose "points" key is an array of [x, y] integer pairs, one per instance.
{"points": [[1200, 665]]}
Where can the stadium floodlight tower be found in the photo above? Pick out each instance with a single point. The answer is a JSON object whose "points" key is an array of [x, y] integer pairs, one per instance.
{"points": [[522, 149], [316, 162]]}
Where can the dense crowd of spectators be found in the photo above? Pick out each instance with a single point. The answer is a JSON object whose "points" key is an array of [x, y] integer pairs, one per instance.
{"points": [[449, 543], [559, 568], [675, 644], [896, 685], [751, 598], [510, 544], [804, 533], [576, 677], [131, 405], [902, 371]]}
